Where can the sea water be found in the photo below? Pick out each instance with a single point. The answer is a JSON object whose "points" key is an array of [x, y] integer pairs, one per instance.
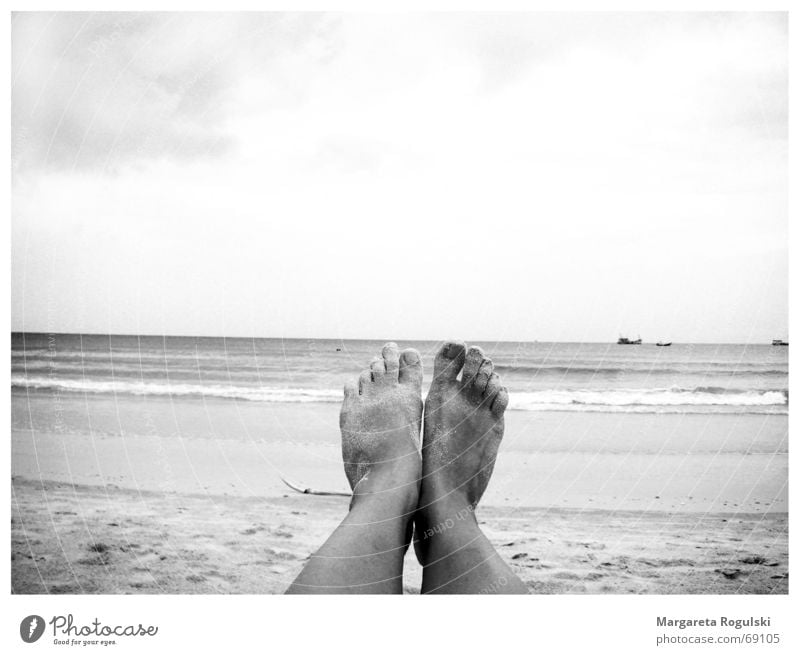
{"points": [[564, 377]]}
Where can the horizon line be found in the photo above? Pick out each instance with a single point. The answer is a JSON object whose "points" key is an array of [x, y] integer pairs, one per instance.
{"points": [[201, 336]]}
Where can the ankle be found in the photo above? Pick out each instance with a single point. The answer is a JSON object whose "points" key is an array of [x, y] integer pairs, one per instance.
{"points": [[394, 486], [441, 525], [440, 506]]}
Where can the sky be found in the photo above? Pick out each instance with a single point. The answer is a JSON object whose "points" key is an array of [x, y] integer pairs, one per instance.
{"points": [[551, 177]]}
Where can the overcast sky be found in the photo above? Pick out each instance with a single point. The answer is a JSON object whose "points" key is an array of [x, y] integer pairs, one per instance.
{"points": [[490, 177]]}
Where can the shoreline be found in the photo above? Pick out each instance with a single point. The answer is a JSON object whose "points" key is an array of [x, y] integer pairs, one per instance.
{"points": [[670, 482], [706, 463]]}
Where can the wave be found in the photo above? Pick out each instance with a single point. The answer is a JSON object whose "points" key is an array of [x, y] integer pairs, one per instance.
{"points": [[671, 400], [247, 366], [193, 371], [262, 394], [655, 409], [648, 400], [132, 355], [557, 369]]}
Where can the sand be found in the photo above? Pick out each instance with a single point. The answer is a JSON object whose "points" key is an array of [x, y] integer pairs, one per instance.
{"points": [[86, 539], [135, 495], [680, 463]]}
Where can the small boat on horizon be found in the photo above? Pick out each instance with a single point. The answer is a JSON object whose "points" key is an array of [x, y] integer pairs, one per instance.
{"points": [[779, 342], [664, 343], [624, 341]]}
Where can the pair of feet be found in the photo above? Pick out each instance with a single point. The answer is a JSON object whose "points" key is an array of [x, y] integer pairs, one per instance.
{"points": [[401, 486], [381, 419]]}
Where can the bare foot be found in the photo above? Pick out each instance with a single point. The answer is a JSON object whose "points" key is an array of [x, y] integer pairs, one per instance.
{"points": [[463, 427], [380, 422]]}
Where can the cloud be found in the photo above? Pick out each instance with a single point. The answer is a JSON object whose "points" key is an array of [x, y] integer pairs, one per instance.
{"points": [[97, 90], [635, 163]]}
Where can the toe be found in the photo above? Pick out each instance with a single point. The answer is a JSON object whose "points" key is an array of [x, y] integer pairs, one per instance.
{"points": [[378, 369], [449, 361], [391, 360], [492, 388], [411, 368], [474, 358], [482, 377], [500, 402], [365, 382]]}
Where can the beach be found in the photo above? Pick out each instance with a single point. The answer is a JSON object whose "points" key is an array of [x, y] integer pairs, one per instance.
{"points": [[211, 515], [73, 539], [120, 490]]}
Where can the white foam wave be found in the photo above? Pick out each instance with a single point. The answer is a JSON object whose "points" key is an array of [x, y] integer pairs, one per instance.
{"points": [[262, 394], [672, 400], [643, 400]]}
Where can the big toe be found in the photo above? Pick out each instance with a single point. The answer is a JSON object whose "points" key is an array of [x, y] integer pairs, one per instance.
{"points": [[448, 361], [411, 368]]}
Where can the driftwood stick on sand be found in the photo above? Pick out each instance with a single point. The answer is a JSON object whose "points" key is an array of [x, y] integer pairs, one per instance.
{"points": [[313, 492]]}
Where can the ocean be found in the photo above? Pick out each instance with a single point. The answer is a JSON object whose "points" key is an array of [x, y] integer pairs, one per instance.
{"points": [[562, 377]]}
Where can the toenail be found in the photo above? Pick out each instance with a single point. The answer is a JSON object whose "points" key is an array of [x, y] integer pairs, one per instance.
{"points": [[411, 356]]}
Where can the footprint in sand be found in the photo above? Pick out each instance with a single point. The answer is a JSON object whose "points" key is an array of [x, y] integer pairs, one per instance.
{"points": [[254, 530], [282, 531], [753, 559]]}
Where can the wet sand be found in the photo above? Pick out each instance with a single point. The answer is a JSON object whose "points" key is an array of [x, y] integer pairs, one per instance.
{"points": [[678, 463]]}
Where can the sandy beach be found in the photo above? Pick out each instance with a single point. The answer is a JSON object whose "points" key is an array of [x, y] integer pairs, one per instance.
{"points": [[81, 539], [185, 497]]}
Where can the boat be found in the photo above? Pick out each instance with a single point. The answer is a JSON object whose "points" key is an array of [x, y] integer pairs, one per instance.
{"points": [[779, 342], [624, 341], [664, 343]]}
